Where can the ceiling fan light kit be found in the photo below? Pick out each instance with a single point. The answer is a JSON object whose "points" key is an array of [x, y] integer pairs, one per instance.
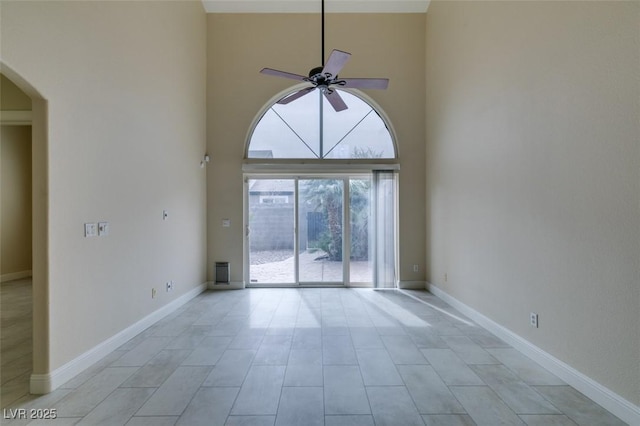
{"points": [[325, 78]]}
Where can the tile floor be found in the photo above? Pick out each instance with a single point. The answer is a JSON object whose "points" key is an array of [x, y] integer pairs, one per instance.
{"points": [[15, 340], [316, 357]]}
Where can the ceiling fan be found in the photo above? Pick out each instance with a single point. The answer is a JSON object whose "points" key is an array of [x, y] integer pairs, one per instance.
{"points": [[325, 78]]}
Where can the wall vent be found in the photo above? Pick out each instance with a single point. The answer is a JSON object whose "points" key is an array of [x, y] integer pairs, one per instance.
{"points": [[222, 273]]}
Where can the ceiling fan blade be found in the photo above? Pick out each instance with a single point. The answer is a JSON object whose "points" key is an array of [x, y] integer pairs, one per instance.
{"points": [[365, 83], [335, 100], [276, 73], [296, 95], [336, 61]]}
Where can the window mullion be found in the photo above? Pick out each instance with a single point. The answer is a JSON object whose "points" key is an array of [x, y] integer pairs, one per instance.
{"points": [[351, 130], [295, 133], [321, 129]]}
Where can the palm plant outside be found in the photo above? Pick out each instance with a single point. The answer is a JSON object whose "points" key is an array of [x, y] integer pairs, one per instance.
{"points": [[325, 196]]}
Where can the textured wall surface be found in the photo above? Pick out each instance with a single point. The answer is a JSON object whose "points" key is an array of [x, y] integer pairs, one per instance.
{"points": [[125, 87], [533, 167], [271, 227], [382, 45]]}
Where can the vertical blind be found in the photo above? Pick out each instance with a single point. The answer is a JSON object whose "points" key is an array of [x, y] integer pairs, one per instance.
{"points": [[384, 195]]}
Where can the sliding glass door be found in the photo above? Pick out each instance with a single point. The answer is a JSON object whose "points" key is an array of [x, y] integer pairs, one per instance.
{"points": [[321, 230], [271, 231], [320, 218]]}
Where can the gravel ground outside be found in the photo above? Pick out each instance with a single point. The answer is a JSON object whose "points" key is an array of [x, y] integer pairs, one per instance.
{"points": [[268, 256]]}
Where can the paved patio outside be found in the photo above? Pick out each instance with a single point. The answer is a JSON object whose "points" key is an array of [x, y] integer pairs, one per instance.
{"points": [[312, 269]]}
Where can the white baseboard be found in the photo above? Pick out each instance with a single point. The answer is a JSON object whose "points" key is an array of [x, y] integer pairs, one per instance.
{"points": [[15, 276], [45, 383], [233, 285], [236, 285], [412, 285], [608, 399]]}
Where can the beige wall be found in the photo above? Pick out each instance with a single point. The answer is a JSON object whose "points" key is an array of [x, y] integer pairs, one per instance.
{"points": [[15, 199], [534, 174], [11, 97], [239, 46], [532, 142], [125, 85]]}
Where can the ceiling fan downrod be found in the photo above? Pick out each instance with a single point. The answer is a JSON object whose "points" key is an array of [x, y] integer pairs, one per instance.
{"points": [[322, 31], [325, 77]]}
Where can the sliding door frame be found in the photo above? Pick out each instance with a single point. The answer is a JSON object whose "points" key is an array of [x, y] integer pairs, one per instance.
{"points": [[346, 227]]}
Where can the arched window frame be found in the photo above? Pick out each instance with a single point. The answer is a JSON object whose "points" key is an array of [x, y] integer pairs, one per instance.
{"points": [[329, 164]]}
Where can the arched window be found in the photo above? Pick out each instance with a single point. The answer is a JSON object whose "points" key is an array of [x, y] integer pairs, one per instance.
{"points": [[320, 191], [309, 128]]}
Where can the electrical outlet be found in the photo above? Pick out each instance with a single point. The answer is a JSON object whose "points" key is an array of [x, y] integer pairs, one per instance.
{"points": [[153, 293], [533, 319], [103, 228], [415, 268]]}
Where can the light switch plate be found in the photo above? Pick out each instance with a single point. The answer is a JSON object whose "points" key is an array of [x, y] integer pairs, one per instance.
{"points": [[90, 230], [226, 223]]}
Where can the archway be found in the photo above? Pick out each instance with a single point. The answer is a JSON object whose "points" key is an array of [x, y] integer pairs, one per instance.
{"points": [[40, 230], [320, 194]]}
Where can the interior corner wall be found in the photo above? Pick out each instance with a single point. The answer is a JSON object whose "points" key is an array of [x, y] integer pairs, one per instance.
{"points": [[534, 174], [15, 200], [240, 45], [125, 89]]}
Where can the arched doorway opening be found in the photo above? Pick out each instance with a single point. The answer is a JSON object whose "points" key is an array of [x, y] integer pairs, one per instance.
{"points": [[40, 232]]}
